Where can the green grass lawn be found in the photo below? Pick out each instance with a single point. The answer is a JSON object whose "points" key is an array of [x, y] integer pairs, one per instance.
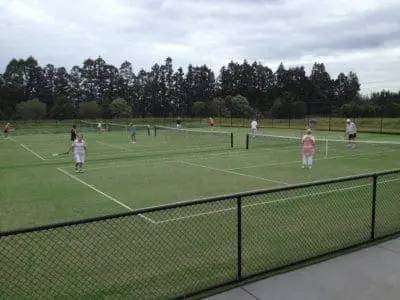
{"points": [[175, 251]]}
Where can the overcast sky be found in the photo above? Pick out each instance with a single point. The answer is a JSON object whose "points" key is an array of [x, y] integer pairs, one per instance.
{"points": [[358, 35]]}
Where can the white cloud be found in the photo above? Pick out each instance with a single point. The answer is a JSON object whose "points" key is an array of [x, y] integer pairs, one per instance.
{"points": [[358, 35]]}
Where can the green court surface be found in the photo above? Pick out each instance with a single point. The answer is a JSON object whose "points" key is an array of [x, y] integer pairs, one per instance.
{"points": [[173, 166], [176, 251]]}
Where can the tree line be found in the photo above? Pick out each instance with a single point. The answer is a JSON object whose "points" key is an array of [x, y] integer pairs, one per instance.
{"points": [[100, 90]]}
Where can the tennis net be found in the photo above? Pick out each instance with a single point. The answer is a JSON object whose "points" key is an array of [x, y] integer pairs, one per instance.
{"points": [[196, 139], [86, 126], [326, 147], [127, 127]]}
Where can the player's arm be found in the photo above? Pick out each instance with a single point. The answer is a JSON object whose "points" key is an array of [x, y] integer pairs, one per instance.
{"points": [[71, 148]]}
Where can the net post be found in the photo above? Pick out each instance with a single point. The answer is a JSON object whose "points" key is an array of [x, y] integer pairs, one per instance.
{"points": [[373, 212], [247, 141], [148, 130], [155, 130], [326, 148], [231, 139]]}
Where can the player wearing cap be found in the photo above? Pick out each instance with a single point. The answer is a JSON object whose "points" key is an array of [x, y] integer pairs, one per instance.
{"points": [[351, 133]]}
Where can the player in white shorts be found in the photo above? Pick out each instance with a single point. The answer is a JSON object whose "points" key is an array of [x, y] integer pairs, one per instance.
{"points": [[351, 132], [178, 123], [80, 151], [253, 128]]}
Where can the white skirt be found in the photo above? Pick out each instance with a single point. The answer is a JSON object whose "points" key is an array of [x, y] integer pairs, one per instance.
{"points": [[79, 158]]}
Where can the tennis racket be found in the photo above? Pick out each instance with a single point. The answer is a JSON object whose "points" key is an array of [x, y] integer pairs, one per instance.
{"points": [[58, 154]]}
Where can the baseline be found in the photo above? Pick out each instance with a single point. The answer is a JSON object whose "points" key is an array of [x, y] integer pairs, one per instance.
{"points": [[102, 193]]}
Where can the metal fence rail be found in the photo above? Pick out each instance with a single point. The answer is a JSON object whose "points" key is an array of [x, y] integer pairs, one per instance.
{"points": [[183, 249]]}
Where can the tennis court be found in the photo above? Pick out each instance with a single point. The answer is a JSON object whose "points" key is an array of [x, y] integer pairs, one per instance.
{"points": [[170, 252], [168, 167]]}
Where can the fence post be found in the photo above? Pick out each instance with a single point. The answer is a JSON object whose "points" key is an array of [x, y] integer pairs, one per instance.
{"points": [[155, 130], [231, 139], [373, 213], [239, 238]]}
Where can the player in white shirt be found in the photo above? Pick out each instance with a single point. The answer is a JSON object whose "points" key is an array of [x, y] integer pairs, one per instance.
{"points": [[80, 151], [308, 151], [253, 128], [100, 127], [351, 133]]}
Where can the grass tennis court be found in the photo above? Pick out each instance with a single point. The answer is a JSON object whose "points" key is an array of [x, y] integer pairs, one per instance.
{"points": [[162, 169], [174, 251]]}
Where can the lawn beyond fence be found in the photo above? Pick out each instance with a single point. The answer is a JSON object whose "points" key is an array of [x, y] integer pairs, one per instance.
{"points": [[183, 249]]}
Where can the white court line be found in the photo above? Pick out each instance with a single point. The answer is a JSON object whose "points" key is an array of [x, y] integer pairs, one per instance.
{"points": [[102, 193], [273, 201], [27, 149], [231, 172], [33, 152], [169, 160], [317, 159]]}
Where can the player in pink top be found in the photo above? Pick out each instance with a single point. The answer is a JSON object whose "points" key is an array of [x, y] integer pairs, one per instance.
{"points": [[308, 141]]}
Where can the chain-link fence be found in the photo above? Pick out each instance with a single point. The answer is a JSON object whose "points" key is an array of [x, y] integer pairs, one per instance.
{"points": [[183, 249]]}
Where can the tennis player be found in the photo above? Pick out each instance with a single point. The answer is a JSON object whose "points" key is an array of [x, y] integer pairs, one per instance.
{"points": [[178, 123], [100, 127], [211, 120], [308, 141], [253, 128], [7, 130], [80, 151], [133, 133], [351, 132], [74, 133]]}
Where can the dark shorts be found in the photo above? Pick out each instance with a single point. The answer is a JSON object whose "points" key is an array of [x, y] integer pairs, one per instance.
{"points": [[6, 131], [352, 136]]}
